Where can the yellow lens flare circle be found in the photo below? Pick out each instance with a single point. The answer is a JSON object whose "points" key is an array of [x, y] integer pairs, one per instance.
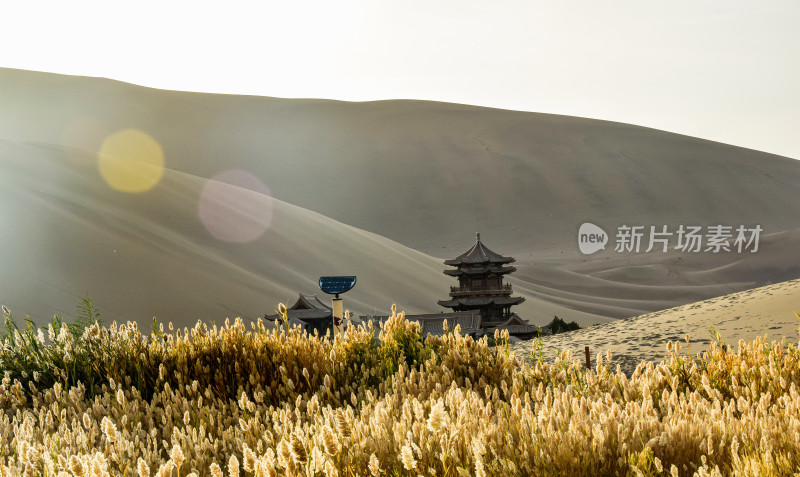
{"points": [[131, 161]]}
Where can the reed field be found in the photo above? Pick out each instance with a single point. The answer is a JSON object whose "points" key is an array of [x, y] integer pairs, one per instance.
{"points": [[238, 400]]}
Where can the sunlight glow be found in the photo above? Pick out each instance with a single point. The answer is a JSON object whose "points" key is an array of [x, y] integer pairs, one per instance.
{"points": [[235, 206], [131, 161]]}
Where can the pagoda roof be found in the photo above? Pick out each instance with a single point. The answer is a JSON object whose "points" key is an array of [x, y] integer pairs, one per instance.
{"points": [[479, 253], [515, 325], [480, 271], [309, 302], [481, 301], [303, 315], [307, 307], [515, 319], [515, 329], [275, 319]]}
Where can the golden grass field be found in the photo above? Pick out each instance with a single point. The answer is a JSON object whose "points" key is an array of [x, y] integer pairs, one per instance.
{"points": [[385, 190], [228, 400]]}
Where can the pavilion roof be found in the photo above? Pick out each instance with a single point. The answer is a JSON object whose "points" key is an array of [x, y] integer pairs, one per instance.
{"points": [[481, 301], [309, 302], [303, 314], [479, 253], [480, 271], [515, 329], [515, 325]]}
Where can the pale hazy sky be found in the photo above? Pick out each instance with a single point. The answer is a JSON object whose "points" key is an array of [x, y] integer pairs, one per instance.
{"points": [[726, 70]]}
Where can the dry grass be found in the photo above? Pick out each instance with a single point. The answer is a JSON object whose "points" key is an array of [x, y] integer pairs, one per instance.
{"points": [[238, 402]]}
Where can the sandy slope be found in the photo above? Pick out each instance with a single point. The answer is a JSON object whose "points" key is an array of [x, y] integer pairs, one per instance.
{"points": [[739, 316], [421, 173], [66, 233], [417, 171]]}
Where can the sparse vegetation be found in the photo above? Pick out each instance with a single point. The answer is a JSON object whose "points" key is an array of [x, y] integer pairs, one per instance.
{"points": [[265, 402], [560, 326]]}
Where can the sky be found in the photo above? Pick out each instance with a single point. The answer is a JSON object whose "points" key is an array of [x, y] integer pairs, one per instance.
{"points": [[725, 70]]}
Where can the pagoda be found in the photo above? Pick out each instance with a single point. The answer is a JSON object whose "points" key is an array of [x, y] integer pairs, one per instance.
{"points": [[480, 286]]}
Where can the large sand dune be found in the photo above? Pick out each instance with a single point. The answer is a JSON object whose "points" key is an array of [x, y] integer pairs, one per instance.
{"points": [[66, 234], [745, 315], [424, 175]]}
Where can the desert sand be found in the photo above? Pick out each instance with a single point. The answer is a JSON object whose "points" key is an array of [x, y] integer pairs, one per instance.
{"points": [[140, 257], [768, 310], [384, 190]]}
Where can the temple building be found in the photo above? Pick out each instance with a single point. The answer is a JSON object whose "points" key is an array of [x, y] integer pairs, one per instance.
{"points": [[481, 302], [481, 289], [308, 312]]}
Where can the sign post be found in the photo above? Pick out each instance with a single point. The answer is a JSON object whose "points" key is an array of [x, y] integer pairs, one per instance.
{"points": [[338, 316], [336, 286]]}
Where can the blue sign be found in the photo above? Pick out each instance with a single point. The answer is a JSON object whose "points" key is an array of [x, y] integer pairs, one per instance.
{"points": [[336, 285]]}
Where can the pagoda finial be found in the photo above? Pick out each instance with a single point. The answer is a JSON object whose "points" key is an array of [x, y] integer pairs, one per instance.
{"points": [[478, 236]]}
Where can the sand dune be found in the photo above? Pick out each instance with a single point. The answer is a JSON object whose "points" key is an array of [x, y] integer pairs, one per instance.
{"points": [[417, 171], [622, 286], [739, 316], [427, 175], [67, 234]]}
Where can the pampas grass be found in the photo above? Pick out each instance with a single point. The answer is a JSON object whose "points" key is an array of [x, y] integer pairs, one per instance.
{"points": [[232, 401]]}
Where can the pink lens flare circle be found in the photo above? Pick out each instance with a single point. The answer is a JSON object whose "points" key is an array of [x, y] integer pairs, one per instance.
{"points": [[235, 206]]}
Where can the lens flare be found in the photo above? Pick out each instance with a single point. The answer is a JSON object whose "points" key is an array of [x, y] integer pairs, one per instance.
{"points": [[235, 206], [131, 161]]}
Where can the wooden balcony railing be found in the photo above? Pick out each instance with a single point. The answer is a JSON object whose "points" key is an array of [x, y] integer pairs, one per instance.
{"points": [[485, 289]]}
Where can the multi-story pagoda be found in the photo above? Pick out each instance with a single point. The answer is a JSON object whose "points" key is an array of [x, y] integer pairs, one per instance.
{"points": [[480, 285]]}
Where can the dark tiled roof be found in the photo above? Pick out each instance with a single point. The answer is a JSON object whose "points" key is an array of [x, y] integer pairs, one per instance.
{"points": [[309, 302], [515, 326], [308, 324], [480, 270], [310, 314], [436, 328], [304, 315], [515, 329], [478, 254], [481, 301], [292, 322], [515, 319]]}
